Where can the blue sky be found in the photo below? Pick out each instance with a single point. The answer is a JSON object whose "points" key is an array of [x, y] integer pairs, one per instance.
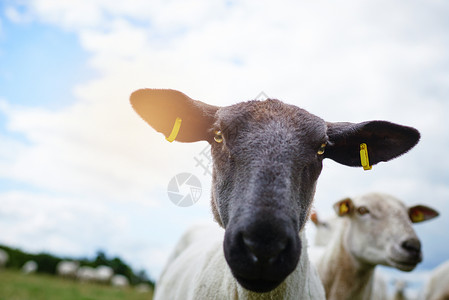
{"points": [[40, 64], [74, 155]]}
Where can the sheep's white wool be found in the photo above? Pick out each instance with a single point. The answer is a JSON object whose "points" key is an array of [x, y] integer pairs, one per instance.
{"points": [[438, 285], [197, 269]]}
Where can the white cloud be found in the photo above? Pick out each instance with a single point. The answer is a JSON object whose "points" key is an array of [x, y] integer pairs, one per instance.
{"points": [[370, 60], [63, 224], [13, 15], [96, 149]]}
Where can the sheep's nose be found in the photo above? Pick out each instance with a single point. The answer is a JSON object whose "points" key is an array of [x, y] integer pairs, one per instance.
{"points": [[262, 253], [412, 246]]}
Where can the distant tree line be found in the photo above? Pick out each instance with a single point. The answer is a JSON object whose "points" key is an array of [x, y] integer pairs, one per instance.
{"points": [[47, 264]]}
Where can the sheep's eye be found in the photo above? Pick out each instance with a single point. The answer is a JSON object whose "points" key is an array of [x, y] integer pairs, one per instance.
{"points": [[321, 149], [362, 210], [218, 136]]}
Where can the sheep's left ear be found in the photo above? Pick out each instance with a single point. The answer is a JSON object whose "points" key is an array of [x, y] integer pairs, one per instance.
{"points": [[344, 207], [314, 218], [420, 213], [384, 141]]}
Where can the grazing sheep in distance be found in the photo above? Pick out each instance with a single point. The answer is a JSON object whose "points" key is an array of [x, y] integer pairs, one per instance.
{"points": [[119, 280], [29, 267], [267, 157], [103, 274], [67, 269], [4, 257], [100, 274], [437, 287], [374, 229], [86, 274]]}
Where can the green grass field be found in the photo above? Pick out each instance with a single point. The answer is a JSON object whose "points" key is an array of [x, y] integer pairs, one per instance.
{"points": [[16, 286]]}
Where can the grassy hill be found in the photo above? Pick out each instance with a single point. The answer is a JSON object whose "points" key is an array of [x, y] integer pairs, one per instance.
{"points": [[16, 286]]}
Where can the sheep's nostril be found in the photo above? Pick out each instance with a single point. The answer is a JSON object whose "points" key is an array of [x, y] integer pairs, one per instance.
{"points": [[250, 247], [412, 245], [263, 252]]}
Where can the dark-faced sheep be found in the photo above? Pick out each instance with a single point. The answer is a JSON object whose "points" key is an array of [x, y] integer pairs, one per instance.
{"points": [[267, 156]]}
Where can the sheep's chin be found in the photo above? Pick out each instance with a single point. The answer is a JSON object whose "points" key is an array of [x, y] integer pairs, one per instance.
{"points": [[405, 266], [258, 285]]}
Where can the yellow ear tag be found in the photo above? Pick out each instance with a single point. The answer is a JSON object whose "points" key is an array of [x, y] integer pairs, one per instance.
{"points": [[417, 216], [364, 157], [344, 208], [175, 130]]}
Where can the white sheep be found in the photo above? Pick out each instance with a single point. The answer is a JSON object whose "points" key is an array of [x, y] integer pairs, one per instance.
{"points": [[324, 229], [103, 274], [373, 229], [4, 257], [86, 274], [67, 269], [29, 267], [437, 287], [119, 280], [267, 157]]}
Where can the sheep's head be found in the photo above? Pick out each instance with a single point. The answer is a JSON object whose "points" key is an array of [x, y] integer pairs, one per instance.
{"points": [[267, 157], [379, 230], [324, 229]]}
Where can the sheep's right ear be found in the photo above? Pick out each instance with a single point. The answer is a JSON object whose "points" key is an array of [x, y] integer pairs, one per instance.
{"points": [[420, 213], [175, 115], [344, 207], [384, 141]]}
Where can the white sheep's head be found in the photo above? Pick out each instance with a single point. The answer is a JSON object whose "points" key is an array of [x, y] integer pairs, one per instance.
{"points": [[380, 230]]}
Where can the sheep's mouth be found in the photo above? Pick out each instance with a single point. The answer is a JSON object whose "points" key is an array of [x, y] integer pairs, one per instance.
{"points": [[404, 265], [258, 285], [404, 260]]}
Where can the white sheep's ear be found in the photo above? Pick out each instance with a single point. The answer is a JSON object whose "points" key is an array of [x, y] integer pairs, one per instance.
{"points": [[314, 218], [420, 213], [175, 115], [383, 139], [344, 207]]}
